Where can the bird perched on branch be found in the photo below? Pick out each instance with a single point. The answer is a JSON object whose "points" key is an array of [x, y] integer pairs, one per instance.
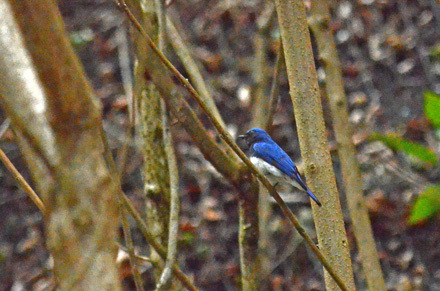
{"points": [[272, 161]]}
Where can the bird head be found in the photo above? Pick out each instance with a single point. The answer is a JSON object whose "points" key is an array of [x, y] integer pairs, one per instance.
{"points": [[255, 135]]}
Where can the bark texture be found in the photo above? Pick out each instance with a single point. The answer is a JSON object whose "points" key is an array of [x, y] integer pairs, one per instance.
{"points": [[57, 120], [305, 95], [319, 24]]}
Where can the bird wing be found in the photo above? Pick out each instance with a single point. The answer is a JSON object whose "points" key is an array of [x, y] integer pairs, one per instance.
{"points": [[274, 155]]}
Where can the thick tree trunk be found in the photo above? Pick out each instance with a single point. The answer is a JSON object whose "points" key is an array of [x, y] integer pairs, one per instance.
{"points": [[57, 120]]}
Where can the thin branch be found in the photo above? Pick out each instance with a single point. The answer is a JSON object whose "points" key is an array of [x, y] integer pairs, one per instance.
{"points": [[260, 107], [4, 127], [161, 23], [130, 248], [274, 89], [140, 223], [173, 227], [124, 63], [157, 247], [255, 208], [191, 67], [320, 26], [22, 182], [229, 140], [127, 81], [260, 102]]}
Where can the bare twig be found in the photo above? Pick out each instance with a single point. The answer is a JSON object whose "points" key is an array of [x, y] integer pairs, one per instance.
{"points": [[22, 182], [4, 127], [260, 111], [127, 81], [130, 248], [274, 89], [260, 102], [191, 67], [157, 247], [173, 227], [124, 62]]}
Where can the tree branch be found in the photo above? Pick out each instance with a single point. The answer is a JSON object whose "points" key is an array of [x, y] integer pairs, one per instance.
{"points": [[304, 91], [22, 182], [57, 128], [222, 160], [320, 26]]}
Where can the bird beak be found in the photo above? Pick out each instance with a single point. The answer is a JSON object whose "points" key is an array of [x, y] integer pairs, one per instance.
{"points": [[242, 136]]}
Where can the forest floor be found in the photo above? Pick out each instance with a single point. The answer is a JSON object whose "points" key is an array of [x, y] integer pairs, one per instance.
{"points": [[388, 56]]}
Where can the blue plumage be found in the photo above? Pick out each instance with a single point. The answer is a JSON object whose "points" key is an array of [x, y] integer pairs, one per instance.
{"points": [[269, 158]]}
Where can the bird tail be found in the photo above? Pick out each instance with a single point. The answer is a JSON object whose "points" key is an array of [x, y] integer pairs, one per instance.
{"points": [[314, 197]]}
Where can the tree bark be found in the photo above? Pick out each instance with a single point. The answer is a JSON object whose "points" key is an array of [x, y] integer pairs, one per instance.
{"points": [[320, 26], [57, 121], [152, 129], [304, 92]]}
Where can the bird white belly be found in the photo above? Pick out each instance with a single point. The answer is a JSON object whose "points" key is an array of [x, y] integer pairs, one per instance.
{"points": [[266, 168], [273, 174]]}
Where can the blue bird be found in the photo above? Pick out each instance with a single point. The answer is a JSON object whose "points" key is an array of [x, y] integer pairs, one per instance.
{"points": [[272, 161]]}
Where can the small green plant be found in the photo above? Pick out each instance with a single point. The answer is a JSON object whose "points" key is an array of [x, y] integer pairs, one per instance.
{"points": [[427, 204], [412, 149]]}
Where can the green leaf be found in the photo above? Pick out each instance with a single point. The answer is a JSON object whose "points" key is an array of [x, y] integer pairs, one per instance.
{"points": [[432, 108], [426, 206], [435, 51], [412, 149]]}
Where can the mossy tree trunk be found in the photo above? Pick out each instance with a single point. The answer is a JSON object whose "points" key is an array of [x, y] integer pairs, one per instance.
{"points": [[151, 128]]}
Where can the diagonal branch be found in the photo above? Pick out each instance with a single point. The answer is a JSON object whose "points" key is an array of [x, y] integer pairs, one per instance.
{"points": [[22, 182], [191, 67], [157, 247], [183, 112]]}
